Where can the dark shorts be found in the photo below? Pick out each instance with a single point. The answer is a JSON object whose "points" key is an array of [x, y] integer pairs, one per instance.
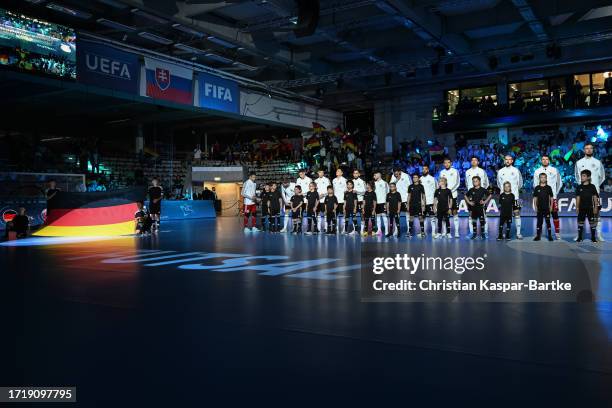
{"points": [[517, 205], [403, 207], [155, 208], [455, 205], [380, 209], [340, 208], [359, 207], [297, 214], [415, 210], [476, 212]]}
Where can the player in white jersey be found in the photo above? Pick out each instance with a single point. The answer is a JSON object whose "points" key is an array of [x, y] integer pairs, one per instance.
{"points": [[453, 179], [402, 182], [287, 191], [553, 179], [513, 176], [339, 184], [303, 181], [360, 188], [472, 172], [381, 188], [430, 185], [598, 176], [248, 193], [322, 183]]}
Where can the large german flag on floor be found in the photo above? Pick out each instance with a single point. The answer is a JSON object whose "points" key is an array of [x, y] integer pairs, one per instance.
{"points": [[105, 213]]}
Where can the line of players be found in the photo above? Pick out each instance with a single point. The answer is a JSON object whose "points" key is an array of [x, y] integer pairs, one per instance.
{"points": [[322, 202]]}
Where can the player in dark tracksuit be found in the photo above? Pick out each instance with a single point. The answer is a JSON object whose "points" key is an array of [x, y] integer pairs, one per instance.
{"points": [[506, 210], [312, 203], [275, 205], [587, 205], [369, 210], [330, 203], [543, 203], [350, 208], [142, 220], [477, 198], [394, 205]]}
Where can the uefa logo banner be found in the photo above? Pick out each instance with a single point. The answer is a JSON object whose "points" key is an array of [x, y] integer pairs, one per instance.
{"points": [[451, 271]]}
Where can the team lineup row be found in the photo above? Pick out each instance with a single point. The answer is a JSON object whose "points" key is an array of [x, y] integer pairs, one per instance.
{"points": [[322, 202]]}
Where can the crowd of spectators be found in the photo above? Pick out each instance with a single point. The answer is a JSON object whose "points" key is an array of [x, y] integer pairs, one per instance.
{"points": [[252, 151]]}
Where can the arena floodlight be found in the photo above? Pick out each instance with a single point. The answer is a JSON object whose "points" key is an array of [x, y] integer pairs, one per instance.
{"points": [[70, 11], [115, 25], [188, 30], [189, 48], [155, 38], [220, 42]]}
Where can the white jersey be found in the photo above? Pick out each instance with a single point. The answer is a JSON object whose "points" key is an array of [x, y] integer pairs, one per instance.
{"points": [[339, 188], [248, 192], [402, 185], [598, 173], [287, 192], [322, 184], [303, 183], [553, 178], [452, 179], [429, 184], [512, 175], [473, 172], [381, 188], [360, 187]]}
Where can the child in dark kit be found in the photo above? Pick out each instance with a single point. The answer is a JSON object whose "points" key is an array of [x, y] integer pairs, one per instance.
{"points": [[394, 204], [477, 199], [443, 202], [416, 206], [142, 220], [506, 210], [542, 204], [274, 207], [350, 208], [369, 211], [297, 204], [312, 202], [330, 203], [587, 205]]}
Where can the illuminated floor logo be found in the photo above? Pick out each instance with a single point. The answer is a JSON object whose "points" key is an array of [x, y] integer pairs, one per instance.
{"points": [[264, 265]]}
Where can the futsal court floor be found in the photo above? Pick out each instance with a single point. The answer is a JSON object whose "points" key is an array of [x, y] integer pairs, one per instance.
{"points": [[159, 321]]}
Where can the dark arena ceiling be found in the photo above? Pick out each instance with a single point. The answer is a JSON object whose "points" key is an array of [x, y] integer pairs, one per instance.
{"points": [[357, 45]]}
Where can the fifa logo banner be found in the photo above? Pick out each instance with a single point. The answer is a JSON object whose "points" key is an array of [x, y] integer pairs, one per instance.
{"points": [[565, 201], [169, 82], [108, 67], [218, 93]]}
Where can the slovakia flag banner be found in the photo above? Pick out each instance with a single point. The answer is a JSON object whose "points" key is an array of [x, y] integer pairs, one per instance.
{"points": [[169, 82]]}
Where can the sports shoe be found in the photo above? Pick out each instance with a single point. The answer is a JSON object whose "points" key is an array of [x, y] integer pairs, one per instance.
{"points": [[456, 235], [247, 230], [255, 230], [474, 236], [595, 240], [550, 238], [283, 230], [600, 238], [436, 236], [388, 235], [364, 234], [537, 238], [519, 236], [500, 238], [558, 236], [447, 235], [308, 233], [578, 239], [422, 235]]}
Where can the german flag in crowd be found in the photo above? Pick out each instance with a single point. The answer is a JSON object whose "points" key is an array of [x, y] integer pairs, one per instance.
{"points": [[349, 143], [317, 127], [92, 214], [312, 143]]}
